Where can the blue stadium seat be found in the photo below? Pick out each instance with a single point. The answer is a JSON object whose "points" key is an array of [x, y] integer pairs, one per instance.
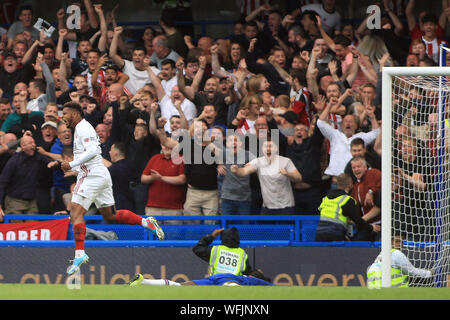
{"points": [[265, 232], [187, 232]]}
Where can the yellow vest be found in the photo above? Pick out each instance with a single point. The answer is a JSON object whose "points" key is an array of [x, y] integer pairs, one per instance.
{"points": [[227, 260], [331, 209], [374, 273]]}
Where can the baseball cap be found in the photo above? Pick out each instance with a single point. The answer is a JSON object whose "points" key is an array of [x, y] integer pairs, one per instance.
{"points": [[49, 123], [290, 117], [8, 54], [91, 99]]}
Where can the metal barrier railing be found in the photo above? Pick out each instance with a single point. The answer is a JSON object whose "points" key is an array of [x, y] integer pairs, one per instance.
{"points": [[300, 228]]}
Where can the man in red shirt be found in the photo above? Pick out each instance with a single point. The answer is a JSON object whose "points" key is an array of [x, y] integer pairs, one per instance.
{"points": [[366, 190], [167, 185], [367, 185]]}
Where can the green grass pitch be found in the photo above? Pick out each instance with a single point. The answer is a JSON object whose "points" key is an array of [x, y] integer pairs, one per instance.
{"points": [[204, 293]]}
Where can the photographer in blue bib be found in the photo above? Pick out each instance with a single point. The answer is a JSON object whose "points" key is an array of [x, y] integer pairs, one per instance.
{"points": [[224, 258]]}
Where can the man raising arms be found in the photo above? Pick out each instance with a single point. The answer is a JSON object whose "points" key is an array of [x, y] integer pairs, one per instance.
{"points": [[94, 184]]}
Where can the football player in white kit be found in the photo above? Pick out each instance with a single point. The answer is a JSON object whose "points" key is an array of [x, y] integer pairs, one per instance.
{"points": [[94, 184]]}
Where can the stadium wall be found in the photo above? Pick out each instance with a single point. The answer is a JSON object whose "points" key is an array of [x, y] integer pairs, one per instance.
{"points": [[297, 266]]}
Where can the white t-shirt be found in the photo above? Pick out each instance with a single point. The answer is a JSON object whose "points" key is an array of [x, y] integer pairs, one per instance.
{"points": [[33, 105], [138, 78], [330, 21], [168, 110], [169, 84], [340, 153], [276, 189]]}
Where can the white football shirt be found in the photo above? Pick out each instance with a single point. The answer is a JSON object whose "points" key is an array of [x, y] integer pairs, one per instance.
{"points": [[86, 147]]}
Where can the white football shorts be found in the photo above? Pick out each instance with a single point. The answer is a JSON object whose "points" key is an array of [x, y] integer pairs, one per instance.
{"points": [[93, 186]]}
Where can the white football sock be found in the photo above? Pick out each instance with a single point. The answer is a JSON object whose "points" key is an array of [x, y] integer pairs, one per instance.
{"points": [[159, 282], [79, 253]]}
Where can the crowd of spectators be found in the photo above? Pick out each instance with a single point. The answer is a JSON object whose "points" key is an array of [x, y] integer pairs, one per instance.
{"points": [[306, 72]]}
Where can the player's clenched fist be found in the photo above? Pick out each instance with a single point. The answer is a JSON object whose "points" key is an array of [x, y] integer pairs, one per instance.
{"points": [[65, 166]]}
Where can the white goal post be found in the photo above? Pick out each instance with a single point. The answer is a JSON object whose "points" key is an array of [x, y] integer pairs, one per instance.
{"points": [[400, 87]]}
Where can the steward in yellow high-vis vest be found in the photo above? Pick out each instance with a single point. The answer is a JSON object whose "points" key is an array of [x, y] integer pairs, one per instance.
{"points": [[225, 258], [336, 211]]}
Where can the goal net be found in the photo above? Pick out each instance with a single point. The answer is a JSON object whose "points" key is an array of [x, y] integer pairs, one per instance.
{"points": [[416, 171]]}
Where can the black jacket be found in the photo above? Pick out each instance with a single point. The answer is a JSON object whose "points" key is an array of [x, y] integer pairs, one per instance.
{"points": [[278, 85], [20, 176], [230, 239], [306, 157], [121, 171], [9, 80], [139, 151]]}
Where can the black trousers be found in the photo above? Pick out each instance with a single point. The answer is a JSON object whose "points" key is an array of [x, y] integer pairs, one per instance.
{"points": [[307, 201], [43, 199]]}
